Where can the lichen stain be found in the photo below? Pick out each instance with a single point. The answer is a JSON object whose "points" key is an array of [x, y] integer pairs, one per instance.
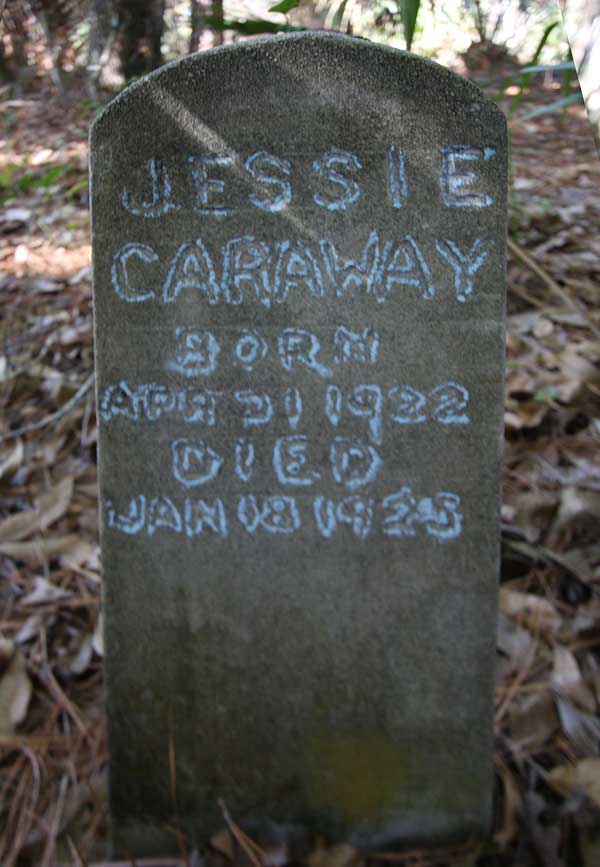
{"points": [[363, 775]]}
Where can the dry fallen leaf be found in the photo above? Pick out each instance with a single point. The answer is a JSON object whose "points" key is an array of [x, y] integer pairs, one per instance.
{"points": [[512, 640], [535, 613], [29, 629], [579, 509], [15, 693], [533, 720], [48, 508], [98, 637], [78, 553], [533, 512], [341, 855], [568, 682], [584, 775], [80, 660], [223, 842], [582, 729], [511, 806], [43, 591], [11, 459], [38, 550]]}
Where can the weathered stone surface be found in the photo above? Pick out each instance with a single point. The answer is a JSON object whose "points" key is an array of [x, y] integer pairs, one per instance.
{"points": [[299, 453]]}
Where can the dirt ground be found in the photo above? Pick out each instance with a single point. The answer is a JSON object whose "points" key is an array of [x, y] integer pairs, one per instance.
{"points": [[52, 736]]}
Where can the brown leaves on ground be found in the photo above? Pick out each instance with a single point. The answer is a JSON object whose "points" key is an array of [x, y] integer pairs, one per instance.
{"points": [[52, 747]]}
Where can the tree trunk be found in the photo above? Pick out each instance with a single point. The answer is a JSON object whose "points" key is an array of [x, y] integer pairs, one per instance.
{"points": [[204, 35], [197, 22], [217, 12], [15, 67], [102, 23], [50, 27], [140, 25]]}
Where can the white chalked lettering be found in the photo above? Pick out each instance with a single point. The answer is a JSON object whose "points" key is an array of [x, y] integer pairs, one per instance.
{"points": [[269, 273], [408, 405], [119, 399], [258, 409], [191, 268], [274, 514], [196, 353], [244, 460], [194, 462], [403, 508], [300, 347], [397, 177], [465, 265], [354, 346], [291, 463], [120, 273], [246, 264], [366, 401], [208, 187], [329, 167], [349, 275], [250, 349], [324, 511], [258, 164], [357, 512], [336, 172], [440, 515], [333, 404], [199, 515], [198, 405], [292, 405], [159, 202], [296, 267], [157, 401], [445, 404], [401, 515], [163, 513], [354, 464], [404, 265], [133, 522], [457, 190], [354, 511], [451, 401]]}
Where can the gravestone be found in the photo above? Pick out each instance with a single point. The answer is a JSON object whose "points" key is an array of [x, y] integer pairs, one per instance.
{"points": [[299, 260]]}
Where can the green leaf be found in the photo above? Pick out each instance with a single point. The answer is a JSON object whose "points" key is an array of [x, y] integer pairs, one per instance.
{"points": [[525, 74], [285, 6], [79, 185], [549, 67], [543, 40], [7, 174], [546, 392], [47, 179], [554, 106], [409, 10]]}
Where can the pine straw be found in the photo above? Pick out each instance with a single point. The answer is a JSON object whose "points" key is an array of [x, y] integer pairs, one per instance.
{"points": [[53, 759]]}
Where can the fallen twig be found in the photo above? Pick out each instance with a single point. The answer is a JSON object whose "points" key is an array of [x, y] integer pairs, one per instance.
{"points": [[551, 283], [424, 857], [65, 409], [139, 862], [248, 845], [54, 829]]}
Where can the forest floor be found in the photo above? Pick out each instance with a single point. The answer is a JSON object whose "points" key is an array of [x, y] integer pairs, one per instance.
{"points": [[53, 806]]}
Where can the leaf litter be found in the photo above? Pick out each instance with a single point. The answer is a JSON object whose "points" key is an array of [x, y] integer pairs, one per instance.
{"points": [[53, 755]]}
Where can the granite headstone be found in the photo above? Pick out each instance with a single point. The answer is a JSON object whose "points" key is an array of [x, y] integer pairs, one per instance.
{"points": [[299, 267]]}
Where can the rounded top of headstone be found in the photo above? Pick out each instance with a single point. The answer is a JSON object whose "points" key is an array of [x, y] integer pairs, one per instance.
{"points": [[319, 57]]}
